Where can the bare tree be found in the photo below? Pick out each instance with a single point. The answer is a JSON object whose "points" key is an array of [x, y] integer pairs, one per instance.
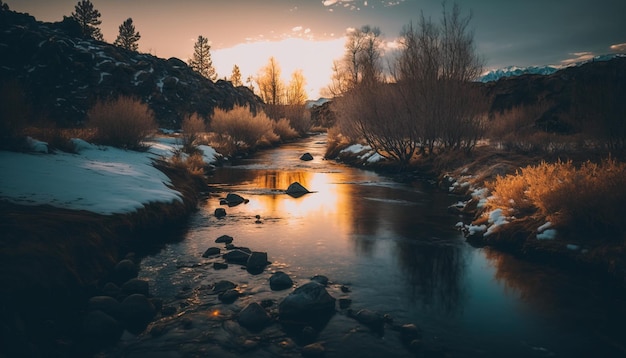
{"points": [[127, 37], [296, 91], [361, 62], [87, 17], [201, 61], [270, 83]]}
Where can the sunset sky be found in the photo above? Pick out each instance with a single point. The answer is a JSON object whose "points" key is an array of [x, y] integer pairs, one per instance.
{"points": [[309, 34]]}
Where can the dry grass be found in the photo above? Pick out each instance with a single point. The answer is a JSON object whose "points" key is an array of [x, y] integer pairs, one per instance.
{"points": [[244, 129], [192, 126], [193, 164], [283, 129], [584, 199], [123, 122]]}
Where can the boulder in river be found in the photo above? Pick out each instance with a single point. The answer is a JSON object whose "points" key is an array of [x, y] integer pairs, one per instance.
{"points": [[306, 157], [254, 317], [223, 286], [233, 199], [100, 329], [136, 285], [225, 239], [125, 270], [256, 262], [280, 281], [372, 319], [137, 311], [296, 190], [211, 251], [307, 303], [236, 256], [220, 213]]}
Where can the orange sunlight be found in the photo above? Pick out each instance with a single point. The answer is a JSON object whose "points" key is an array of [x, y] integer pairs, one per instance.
{"points": [[315, 58]]}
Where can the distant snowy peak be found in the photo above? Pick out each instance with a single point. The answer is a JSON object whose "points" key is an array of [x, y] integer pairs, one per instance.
{"points": [[509, 71]]}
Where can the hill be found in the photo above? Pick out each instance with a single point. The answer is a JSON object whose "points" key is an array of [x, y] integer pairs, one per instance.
{"points": [[62, 74]]}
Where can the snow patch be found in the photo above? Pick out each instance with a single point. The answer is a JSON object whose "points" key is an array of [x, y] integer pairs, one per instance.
{"points": [[496, 219], [36, 146], [547, 225], [549, 234]]}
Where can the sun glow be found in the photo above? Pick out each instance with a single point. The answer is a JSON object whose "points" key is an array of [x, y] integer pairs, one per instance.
{"points": [[315, 58]]}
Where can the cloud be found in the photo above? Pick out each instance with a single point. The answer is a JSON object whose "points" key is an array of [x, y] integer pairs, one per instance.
{"points": [[618, 47], [578, 57]]}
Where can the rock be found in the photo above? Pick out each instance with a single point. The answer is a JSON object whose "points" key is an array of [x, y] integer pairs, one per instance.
{"points": [[111, 289], [233, 199], [256, 262], [308, 334], [211, 251], [306, 157], [220, 213], [313, 350], [321, 279], [409, 333], [219, 266], [136, 285], [307, 302], [223, 286], [106, 304], [236, 256], [125, 270], [345, 289], [168, 310], [374, 320], [254, 317], [344, 303], [224, 239], [100, 329], [280, 281], [137, 311], [228, 296], [296, 190]]}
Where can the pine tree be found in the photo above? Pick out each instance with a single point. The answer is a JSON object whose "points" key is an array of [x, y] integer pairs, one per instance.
{"points": [[87, 18], [127, 37], [201, 61], [235, 77], [4, 6]]}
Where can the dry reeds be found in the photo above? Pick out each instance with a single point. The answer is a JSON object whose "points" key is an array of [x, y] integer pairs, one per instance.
{"points": [[123, 122], [588, 198]]}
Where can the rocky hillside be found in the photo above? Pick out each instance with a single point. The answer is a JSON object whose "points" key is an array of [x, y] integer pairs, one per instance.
{"points": [[62, 74], [561, 94]]}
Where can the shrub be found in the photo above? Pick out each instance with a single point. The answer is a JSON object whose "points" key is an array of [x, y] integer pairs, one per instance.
{"points": [[193, 164], [245, 129], [123, 122], [588, 198], [14, 113], [192, 126], [283, 129], [299, 118]]}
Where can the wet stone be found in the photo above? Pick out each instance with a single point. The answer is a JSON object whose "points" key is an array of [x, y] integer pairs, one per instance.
{"points": [[211, 251], [136, 285], [321, 279], [220, 213], [223, 286], [313, 350], [219, 266], [236, 256], [225, 239], [254, 317], [228, 296], [280, 281], [344, 303]]}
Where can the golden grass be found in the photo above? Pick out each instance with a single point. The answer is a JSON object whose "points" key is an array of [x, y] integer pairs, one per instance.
{"points": [[123, 122], [245, 129], [585, 199]]}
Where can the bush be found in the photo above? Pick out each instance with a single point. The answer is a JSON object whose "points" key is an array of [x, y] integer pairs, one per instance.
{"points": [[283, 129], [124, 122], [589, 198], [14, 113], [244, 129], [192, 126]]}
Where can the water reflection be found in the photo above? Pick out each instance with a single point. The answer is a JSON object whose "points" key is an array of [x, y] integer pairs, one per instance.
{"points": [[435, 272]]}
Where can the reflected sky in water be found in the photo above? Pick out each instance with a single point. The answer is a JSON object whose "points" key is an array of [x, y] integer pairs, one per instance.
{"points": [[395, 246]]}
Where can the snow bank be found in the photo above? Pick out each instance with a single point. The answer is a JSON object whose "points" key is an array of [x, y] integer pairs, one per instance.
{"points": [[496, 219], [103, 180], [549, 234]]}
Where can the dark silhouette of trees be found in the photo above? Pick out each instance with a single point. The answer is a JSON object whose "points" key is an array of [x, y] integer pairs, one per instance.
{"points": [[432, 103], [128, 37], [361, 62], [235, 77], [4, 6], [87, 17], [201, 61]]}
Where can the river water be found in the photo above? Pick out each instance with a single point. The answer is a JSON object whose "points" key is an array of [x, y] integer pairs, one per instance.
{"points": [[395, 247]]}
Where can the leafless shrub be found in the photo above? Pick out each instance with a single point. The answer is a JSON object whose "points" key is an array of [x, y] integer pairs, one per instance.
{"points": [[123, 122]]}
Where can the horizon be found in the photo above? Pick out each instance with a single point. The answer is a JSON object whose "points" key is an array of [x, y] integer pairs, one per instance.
{"points": [[310, 35]]}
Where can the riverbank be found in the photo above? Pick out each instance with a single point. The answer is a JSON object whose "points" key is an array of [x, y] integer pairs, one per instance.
{"points": [[104, 204], [471, 177]]}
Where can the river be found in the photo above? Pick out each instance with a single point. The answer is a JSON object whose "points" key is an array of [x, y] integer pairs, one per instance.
{"points": [[394, 246]]}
